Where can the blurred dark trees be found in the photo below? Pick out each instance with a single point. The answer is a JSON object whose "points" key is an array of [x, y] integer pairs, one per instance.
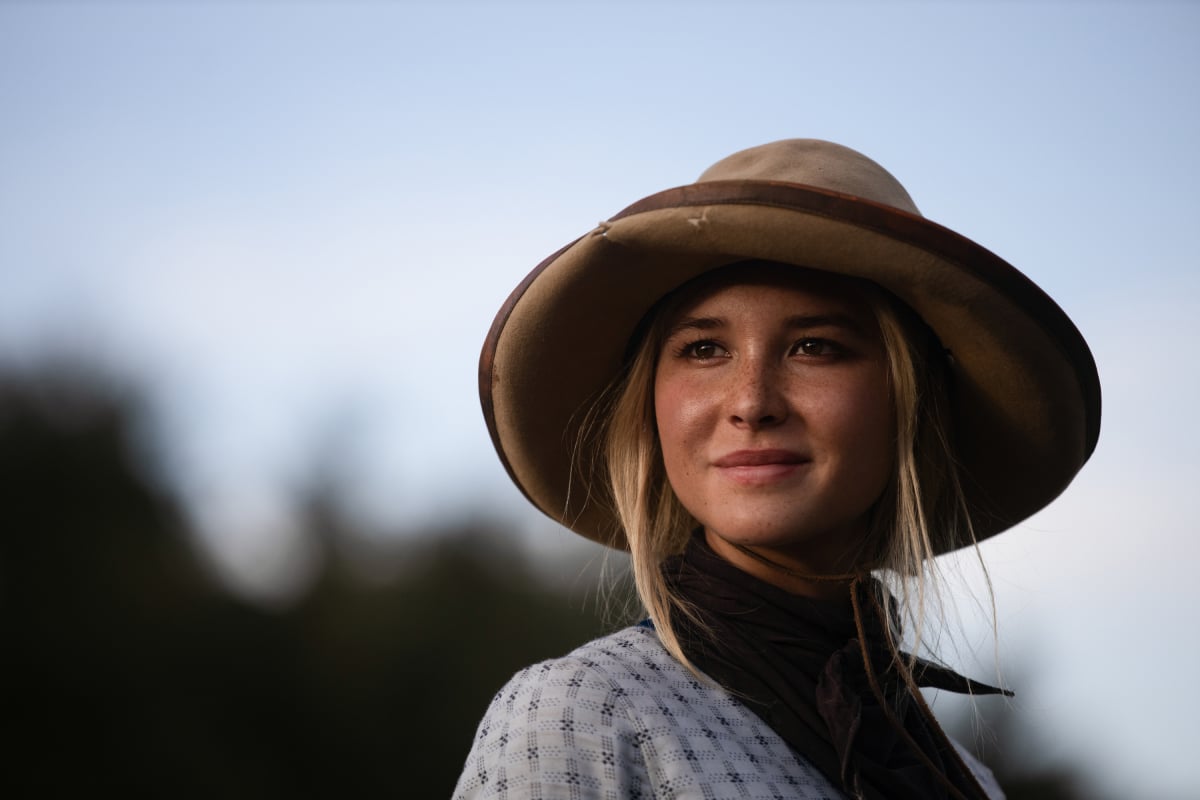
{"points": [[127, 668]]}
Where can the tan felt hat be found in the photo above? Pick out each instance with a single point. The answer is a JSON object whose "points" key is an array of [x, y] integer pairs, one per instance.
{"points": [[1026, 392]]}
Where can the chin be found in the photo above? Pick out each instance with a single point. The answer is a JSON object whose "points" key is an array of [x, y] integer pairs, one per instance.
{"points": [[773, 535]]}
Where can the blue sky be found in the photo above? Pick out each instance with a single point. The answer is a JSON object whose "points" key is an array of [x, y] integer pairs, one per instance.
{"points": [[294, 223]]}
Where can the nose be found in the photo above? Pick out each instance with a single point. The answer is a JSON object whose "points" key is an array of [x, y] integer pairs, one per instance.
{"points": [[756, 396]]}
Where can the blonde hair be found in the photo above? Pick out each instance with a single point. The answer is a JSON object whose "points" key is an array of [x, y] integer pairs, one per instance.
{"points": [[922, 511]]}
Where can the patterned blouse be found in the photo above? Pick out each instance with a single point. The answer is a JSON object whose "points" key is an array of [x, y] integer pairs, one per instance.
{"points": [[620, 718]]}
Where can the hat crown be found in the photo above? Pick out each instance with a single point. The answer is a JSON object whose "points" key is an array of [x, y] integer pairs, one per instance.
{"points": [[816, 163]]}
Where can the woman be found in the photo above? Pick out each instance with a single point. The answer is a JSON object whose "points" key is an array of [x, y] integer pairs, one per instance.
{"points": [[779, 387]]}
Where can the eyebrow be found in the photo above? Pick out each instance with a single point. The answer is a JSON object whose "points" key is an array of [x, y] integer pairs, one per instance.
{"points": [[796, 322]]}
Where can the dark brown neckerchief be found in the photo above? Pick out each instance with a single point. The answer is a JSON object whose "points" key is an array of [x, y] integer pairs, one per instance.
{"points": [[798, 663]]}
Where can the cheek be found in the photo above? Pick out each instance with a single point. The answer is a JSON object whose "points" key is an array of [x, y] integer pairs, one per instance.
{"points": [[870, 425], [853, 419], [669, 415], [680, 415]]}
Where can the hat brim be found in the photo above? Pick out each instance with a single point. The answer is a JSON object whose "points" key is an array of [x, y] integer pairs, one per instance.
{"points": [[1026, 391]]}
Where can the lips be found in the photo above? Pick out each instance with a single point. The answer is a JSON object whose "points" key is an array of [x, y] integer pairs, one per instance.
{"points": [[761, 468], [759, 458]]}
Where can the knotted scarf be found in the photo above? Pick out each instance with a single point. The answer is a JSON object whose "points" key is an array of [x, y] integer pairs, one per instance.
{"points": [[801, 664]]}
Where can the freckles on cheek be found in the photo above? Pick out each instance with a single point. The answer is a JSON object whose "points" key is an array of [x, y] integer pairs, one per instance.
{"points": [[678, 423], [671, 415], [666, 403]]}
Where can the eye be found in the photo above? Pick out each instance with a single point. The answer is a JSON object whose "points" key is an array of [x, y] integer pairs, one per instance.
{"points": [[702, 350], [817, 348]]}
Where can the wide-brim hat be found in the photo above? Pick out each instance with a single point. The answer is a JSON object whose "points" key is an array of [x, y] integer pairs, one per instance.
{"points": [[1026, 395]]}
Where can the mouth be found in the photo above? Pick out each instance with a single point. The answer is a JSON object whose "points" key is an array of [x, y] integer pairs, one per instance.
{"points": [[760, 467], [759, 458]]}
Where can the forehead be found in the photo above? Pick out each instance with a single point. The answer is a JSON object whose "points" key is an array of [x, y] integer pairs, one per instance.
{"points": [[769, 285]]}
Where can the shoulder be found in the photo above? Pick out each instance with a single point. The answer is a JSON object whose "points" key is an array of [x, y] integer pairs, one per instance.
{"points": [[563, 726], [597, 681], [619, 717]]}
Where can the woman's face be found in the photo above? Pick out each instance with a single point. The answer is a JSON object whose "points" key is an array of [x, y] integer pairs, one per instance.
{"points": [[775, 417]]}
